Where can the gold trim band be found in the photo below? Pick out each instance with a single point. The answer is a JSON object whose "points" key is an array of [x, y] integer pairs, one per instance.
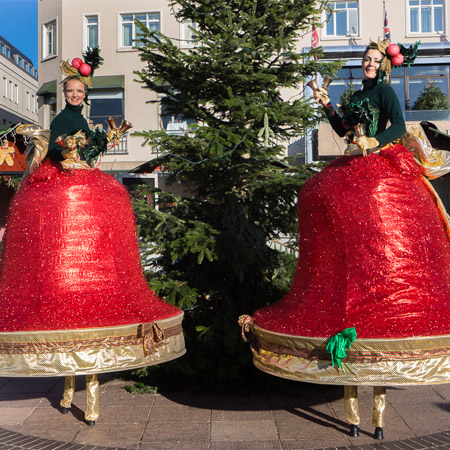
{"points": [[90, 351], [373, 362]]}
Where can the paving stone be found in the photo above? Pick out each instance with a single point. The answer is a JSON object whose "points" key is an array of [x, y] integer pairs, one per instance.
{"points": [[178, 413], [110, 433], [227, 415], [14, 416], [177, 432], [247, 445], [243, 431]]}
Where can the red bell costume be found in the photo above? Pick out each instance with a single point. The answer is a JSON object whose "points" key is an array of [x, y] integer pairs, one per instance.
{"points": [[374, 254], [73, 298], [374, 261]]}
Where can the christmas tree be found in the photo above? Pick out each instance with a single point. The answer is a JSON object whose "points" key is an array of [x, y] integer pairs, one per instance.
{"points": [[431, 98], [241, 87]]}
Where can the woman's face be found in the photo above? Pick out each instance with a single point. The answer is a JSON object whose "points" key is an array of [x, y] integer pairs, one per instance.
{"points": [[74, 92], [371, 63]]}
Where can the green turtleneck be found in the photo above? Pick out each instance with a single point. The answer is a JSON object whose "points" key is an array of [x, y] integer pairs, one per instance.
{"points": [[382, 97], [68, 121]]}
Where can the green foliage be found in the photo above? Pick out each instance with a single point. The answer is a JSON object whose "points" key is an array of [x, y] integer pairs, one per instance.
{"points": [[141, 388], [210, 253], [431, 98], [347, 94], [10, 181]]}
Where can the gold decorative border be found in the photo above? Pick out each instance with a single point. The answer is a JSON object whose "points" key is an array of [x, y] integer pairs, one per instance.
{"points": [[375, 362], [89, 351]]}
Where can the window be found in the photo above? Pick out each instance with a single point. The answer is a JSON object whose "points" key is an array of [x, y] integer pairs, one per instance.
{"points": [[188, 33], [8, 52], [49, 39], [426, 16], [5, 87], [28, 101], [19, 61], [11, 92], [91, 31], [129, 30], [346, 78], [343, 20], [33, 103], [2, 48], [16, 93], [106, 104]]}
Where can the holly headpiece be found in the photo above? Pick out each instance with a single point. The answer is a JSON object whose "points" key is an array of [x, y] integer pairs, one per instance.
{"points": [[83, 70], [394, 55]]}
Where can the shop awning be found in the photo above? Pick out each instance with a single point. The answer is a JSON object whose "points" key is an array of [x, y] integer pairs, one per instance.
{"points": [[47, 88]]}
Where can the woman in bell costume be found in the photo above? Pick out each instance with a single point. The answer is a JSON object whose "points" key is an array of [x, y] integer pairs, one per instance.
{"points": [[370, 300], [73, 298]]}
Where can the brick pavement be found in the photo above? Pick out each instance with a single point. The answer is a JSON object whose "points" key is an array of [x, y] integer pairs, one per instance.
{"points": [[304, 417]]}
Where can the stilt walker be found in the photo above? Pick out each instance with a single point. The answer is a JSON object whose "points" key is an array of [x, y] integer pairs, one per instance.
{"points": [[73, 298], [370, 301]]}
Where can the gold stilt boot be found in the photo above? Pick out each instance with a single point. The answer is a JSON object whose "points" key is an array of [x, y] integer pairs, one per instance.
{"points": [[92, 399], [351, 409], [69, 390], [379, 405]]}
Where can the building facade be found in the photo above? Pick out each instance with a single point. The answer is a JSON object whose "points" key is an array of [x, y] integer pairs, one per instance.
{"points": [[67, 28], [349, 28], [19, 84]]}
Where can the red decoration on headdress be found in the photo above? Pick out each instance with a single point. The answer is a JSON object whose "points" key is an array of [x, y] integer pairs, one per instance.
{"points": [[393, 50], [398, 59], [77, 62], [85, 69]]}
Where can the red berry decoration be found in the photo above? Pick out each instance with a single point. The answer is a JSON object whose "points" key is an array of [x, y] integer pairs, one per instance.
{"points": [[398, 59], [77, 62], [85, 69], [393, 50]]}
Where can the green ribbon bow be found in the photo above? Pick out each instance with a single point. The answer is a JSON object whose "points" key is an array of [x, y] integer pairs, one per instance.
{"points": [[338, 343]]}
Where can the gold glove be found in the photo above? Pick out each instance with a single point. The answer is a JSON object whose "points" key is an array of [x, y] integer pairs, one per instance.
{"points": [[352, 150], [365, 142], [321, 96], [69, 153]]}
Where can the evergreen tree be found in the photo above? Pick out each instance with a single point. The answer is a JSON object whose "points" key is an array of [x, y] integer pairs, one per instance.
{"points": [[431, 98], [213, 246], [347, 94]]}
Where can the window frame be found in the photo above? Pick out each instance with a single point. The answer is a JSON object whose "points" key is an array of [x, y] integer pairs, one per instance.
{"points": [[420, 32], [185, 41], [120, 33], [86, 29], [347, 35], [45, 40]]}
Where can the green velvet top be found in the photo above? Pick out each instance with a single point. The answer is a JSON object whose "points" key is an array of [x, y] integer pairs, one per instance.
{"points": [[383, 99], [68, 121]]}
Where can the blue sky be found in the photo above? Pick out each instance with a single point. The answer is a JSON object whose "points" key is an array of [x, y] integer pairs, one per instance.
{"points": [[20, 25]]}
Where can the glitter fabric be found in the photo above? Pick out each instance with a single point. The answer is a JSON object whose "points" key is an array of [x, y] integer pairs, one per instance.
{"points": [[70, 258], [374, 254]]}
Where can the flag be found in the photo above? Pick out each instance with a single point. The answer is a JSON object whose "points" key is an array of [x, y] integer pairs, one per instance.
{"points": [[314, 38], [387, 31]]}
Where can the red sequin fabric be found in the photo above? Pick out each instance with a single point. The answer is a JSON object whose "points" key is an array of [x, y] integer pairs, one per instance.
{"points": [[70, 258], [373, 254]]}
